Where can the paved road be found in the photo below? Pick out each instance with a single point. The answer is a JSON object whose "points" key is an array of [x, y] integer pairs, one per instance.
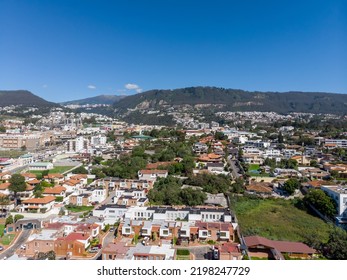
{"points": [[235, 170], [19, 241], [201, 252]]}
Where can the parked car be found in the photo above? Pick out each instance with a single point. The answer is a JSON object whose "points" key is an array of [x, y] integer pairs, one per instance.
{"points": [[94, 250]]}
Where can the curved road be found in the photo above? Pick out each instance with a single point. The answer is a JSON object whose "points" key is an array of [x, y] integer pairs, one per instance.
{"points": [[21, 239]]}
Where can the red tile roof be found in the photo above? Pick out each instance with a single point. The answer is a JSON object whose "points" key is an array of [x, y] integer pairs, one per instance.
{"points": [[43, 200], [54, 190], [77, 236], [281, 246]]}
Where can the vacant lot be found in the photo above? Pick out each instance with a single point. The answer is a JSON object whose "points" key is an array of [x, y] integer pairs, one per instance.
{"points": [[77, 209], [279, 219]]}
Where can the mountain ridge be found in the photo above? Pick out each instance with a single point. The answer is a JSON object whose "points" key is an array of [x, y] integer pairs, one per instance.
{"points": [[236, 100], [169, 107], [24, 98], [107, 99]]}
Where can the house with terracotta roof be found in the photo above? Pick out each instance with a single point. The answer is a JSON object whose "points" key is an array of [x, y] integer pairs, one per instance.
{"points": [[33, 182], [55, 178], [152, 175], [5, 176], [72, 186], [260, 188], [37, 205], [28, 193], [83, 199], [73, 245], [229, 251], [314, 173], [42, 241], [82, 178], [126, 184], [212, 157], [29, 176], [55, 191], [301, 160], [4, 188], [115, 251], [217, 231], [265, 248]]}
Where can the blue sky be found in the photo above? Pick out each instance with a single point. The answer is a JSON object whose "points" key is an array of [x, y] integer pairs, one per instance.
{"points": [[64, 50]]}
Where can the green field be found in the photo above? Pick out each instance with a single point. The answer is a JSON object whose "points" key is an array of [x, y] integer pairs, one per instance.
{"points": [[56, 169], [77, 209], [279, 219], [2, 229], [253, 167], [7, 239]]}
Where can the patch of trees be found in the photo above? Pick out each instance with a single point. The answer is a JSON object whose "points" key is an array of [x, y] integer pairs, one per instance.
{"points": [[322, 202], [210, 183], [126, 167], [336, 247], [168, 191], [80, 170], [291, 185]]}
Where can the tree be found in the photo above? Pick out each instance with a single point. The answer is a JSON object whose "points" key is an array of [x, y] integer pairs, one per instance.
{"points": [[322, 202], [336, 247], [17, 184], [97, 160], [18, 217], [9, 220], [280, 138], [80, 170], [313, 163], [291, 185]]}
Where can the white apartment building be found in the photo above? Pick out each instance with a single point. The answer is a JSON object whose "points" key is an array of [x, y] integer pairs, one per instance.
{"points": [[77, 145], [341, 143], [339, 194], [98, 140]]}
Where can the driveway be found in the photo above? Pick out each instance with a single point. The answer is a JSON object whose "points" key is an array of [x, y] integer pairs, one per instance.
{"points": [[21, 239]]}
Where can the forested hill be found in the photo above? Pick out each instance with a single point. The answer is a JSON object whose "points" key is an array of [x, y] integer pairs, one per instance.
{"points": [[100, 99], [221, 99], [24, 98]]}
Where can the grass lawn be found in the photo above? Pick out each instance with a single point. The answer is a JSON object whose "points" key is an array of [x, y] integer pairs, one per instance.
{"points": [[6, 240], [182, 254], [278, 219], [56, 169], [2, 229], [77, 209], [180, 258], [253, 167]]}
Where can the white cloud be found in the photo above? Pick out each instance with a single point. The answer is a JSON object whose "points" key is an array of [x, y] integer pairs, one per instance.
{"points": [[139, 90], [131, 86], [45, 86], [92, 87]]}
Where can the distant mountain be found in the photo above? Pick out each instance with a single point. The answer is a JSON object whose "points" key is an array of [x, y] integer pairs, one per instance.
{"points": [[100, 99], [24, 98], [220, 99]]}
